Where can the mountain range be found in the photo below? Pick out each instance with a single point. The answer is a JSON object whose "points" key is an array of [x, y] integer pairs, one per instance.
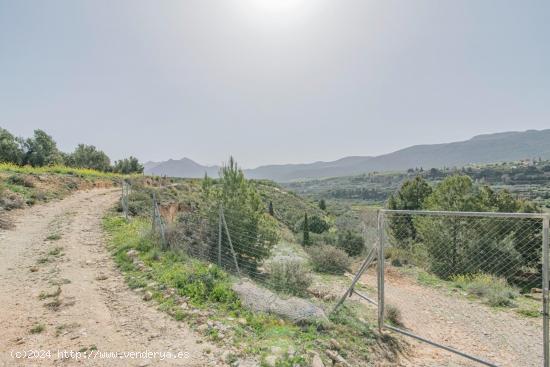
{"points": [[488, 148]]}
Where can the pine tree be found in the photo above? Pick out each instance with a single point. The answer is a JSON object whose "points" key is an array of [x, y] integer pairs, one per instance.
{"points": [[322, 204], [306, 240], [270, 208]]}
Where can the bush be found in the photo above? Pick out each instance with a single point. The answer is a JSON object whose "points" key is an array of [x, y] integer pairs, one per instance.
{"points": [[315, 224], [289, 276], [21, 181], [351, 242], [329, 259], [393, 315], [495, 291], [9, 200]]}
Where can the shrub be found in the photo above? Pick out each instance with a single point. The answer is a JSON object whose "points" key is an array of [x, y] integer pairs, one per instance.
{"points": [[289, 276], [329, 259], [21, 181], [351, 242], [9, 200], [315, 224], [393, 315], [494, 290]]}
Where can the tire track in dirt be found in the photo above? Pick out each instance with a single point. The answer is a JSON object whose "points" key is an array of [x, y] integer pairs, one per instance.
{"points": [[55, 271]]}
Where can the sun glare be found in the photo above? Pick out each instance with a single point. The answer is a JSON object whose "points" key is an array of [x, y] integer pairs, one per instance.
{"points": [[275, 13], [277, 6]]}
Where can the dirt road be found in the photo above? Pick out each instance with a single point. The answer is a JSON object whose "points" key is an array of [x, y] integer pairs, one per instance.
{"points": [[498, 336], [60, 291]]}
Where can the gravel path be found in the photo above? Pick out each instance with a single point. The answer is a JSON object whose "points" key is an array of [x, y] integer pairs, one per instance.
{"points": [[59, 247], [498, 336]]}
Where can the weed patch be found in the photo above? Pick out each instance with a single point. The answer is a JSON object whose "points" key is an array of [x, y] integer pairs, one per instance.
{"points": [[37, 329], [494, 291]]}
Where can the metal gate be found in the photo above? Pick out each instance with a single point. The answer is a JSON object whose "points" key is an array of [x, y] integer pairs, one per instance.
{"points": [[506, 250], [481, 257]]}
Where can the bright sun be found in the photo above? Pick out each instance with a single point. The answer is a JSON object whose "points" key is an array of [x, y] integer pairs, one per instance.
{"points": [[277, 6], [274, 14]]}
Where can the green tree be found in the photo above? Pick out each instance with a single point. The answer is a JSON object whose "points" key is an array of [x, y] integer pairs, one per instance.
{"points": [[351, 242], [253, 232], [270, 208], [315, 224], [411, 196], [322, 204], [306, 241], [88, 156], [448, 239], [467, 244], [41, 150], [127, 166], [10, 148]]}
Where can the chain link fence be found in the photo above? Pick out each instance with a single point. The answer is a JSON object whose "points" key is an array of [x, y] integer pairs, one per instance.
{"points": [[499, 258], [273, 277]]}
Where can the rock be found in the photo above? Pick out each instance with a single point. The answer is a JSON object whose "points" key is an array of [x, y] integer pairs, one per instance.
{"points": [[336, 358], [271, 361], [276, 350], [242, 321], [133, 253], [295, 309], [317, 361], [335, 344], [147, 296], [202, 327]]}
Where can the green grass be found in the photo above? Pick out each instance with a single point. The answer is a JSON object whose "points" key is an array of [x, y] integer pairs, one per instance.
{"points": [[208, 289], [493, 291], [57, 169]]}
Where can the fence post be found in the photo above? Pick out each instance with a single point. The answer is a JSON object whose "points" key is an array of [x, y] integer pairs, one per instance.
{"points": [[122, 200], [381, 270], [154, 212], [220, 237], [231, 244], [545, 264]]}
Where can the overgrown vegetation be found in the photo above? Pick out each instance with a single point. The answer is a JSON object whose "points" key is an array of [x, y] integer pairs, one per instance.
{"points": [[493, 290], [26, 185], [206, 290], [467, 245], [253, 231], [192, 280], [289, 276], [329, 259]]}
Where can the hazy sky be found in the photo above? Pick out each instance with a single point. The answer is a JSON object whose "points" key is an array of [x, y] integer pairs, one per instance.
{"points": [[271, 81]]}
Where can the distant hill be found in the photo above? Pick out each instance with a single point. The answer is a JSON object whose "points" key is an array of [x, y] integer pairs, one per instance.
{"points": [[488, 148], [184, 167]]}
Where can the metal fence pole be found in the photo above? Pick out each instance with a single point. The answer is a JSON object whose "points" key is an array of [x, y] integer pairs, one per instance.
{"points": [[220, 237], [231, 244], [545, 264], [154, 213], [380, 270]]}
